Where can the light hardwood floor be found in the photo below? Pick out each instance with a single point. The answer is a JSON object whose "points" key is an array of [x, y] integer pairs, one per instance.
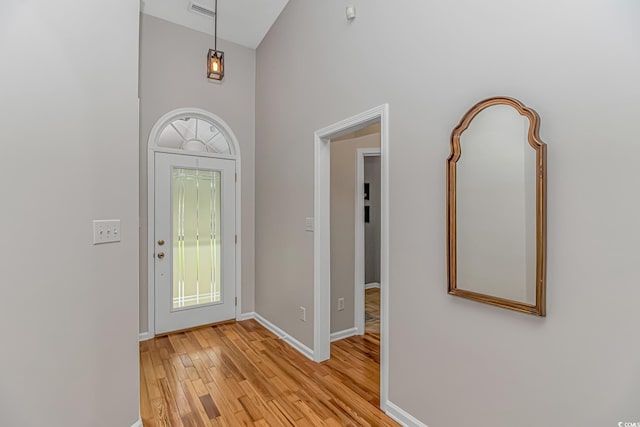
{"points": [[372, 311], [240, 374]]}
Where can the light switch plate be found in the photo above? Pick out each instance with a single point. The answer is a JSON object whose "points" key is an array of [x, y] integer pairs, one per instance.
{"points": [[308, 224], [106, 231]]}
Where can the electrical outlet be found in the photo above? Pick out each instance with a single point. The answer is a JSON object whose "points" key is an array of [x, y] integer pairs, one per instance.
{"points": [[340, 304], [106, 231], [303, 314]]}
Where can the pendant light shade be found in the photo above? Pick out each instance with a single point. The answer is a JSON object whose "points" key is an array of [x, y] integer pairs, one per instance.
{"points": [[215, 64], [215, 58]]}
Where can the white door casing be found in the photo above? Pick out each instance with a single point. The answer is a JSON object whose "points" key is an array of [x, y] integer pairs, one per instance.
{"points": [[233, 153], [322, 240]]}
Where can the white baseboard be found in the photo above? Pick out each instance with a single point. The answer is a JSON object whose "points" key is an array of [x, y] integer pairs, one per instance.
{"points": [[402, 416], [306, 351], [246, 316], [137, 423], [143, 336], [372, 285], [340, 335]]}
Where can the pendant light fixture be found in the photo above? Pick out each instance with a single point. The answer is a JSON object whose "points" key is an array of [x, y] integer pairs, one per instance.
{"points": [[215, 58]]}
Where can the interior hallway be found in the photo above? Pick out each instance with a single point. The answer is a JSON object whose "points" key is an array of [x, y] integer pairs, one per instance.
{"points": [[241, 374]]}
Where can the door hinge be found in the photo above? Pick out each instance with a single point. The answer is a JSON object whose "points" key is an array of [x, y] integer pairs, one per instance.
{"points": [[236, 300], [236, 176], [236, 239]]}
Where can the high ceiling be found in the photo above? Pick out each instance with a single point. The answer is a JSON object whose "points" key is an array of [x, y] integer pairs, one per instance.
{"points": [[245, 22]]}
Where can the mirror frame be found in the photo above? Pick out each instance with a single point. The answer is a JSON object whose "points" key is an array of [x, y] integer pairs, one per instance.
{"points": [[539, 308]]}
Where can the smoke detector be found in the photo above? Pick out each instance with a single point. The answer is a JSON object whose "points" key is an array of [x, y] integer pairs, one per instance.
{"points": [[351, 12]]}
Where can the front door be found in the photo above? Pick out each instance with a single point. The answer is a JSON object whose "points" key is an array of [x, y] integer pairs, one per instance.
{"points": [[194, 241]]}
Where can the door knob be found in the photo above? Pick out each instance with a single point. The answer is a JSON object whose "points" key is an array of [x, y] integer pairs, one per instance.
{"points": [[160, 242], [160, 255]]}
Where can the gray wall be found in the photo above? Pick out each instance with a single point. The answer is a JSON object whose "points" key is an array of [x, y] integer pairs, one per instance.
{"points": [[372, 172], [68, 113], [453, 361], [172, 75], [343, 227]]}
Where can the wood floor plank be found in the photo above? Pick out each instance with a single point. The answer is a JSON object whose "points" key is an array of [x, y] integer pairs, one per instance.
{"points": [[285, 417], [250, 408], [313, 417], [228, 387], [240, 374], [173, 379], [243, 419], [146, 410], [150, 376], [209, 406], [200, 388], [174, 412], [260, 403], [227, 410], [201, 415]]}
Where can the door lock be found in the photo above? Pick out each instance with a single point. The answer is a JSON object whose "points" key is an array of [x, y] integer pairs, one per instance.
{"points": [[160, 242], [160, 255]]}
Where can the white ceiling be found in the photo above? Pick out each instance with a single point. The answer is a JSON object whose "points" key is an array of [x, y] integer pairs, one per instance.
{"points": [[245, 22]]}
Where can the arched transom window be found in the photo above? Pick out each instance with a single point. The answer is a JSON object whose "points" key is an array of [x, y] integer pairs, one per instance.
{"points": [[194, 134]]}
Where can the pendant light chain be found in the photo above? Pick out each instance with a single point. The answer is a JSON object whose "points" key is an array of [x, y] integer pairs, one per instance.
{"points": [[215, 30]]}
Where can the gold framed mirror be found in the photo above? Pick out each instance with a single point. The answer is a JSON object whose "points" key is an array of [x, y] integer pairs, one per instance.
{"points": [[496, 207]]}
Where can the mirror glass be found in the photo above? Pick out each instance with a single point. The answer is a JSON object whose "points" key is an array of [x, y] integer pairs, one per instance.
{"points": [[496, 206]]}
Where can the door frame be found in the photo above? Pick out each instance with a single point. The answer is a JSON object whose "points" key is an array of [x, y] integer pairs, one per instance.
{"points": [[322, 239], [152, 148], [359, 279]]}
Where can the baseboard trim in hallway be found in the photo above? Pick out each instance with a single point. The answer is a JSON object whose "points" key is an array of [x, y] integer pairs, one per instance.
{"points": [[372, 285], [340, 335], [401, 416], [143, 336], [303, 349], [246, 316]]}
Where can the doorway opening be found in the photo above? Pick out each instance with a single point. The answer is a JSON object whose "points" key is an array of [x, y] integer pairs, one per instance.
{"points": [[355, 232], [367, 241], [323, 227], [193, 221]]}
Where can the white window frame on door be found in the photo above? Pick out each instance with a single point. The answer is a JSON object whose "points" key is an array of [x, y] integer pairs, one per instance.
{"points": [[322, 240], [153, 148]]}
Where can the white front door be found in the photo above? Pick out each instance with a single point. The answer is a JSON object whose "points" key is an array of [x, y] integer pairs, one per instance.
{"points": [[194, 241]]}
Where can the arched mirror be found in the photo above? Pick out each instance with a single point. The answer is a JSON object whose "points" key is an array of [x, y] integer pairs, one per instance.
{"points": [[496, 213]]}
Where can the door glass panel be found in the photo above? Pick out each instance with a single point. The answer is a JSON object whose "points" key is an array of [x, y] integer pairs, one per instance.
{"points": [[196, 237]]}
